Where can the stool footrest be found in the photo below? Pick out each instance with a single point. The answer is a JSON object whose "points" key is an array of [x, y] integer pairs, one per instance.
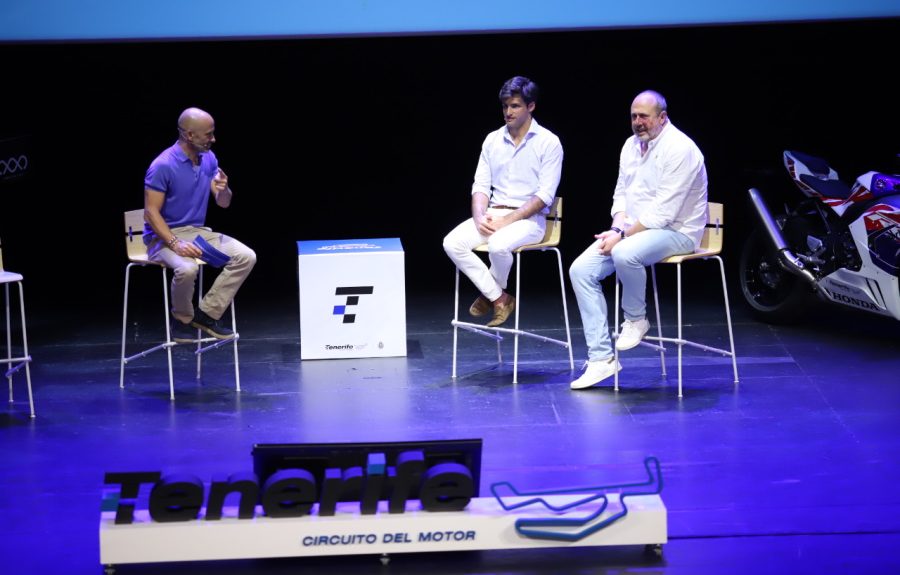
{"points": [[148, 351], [19, 361], [656, 347], [479, 329], [218, 343], [688, 343], [482, 329]]}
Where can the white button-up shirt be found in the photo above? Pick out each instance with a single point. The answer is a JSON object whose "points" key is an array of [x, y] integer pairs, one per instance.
{"points": [[666, 187], [510, 175]]}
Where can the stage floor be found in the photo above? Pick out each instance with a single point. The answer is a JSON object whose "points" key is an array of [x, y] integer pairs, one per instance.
{"points": [[789, 471]]}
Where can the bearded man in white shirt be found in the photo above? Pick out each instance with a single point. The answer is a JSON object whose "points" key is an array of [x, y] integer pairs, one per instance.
{"points": [[659, 210], [515, 183]]}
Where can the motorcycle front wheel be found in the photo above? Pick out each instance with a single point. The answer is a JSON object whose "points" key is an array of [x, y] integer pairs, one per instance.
{"points": [[774, 295]]}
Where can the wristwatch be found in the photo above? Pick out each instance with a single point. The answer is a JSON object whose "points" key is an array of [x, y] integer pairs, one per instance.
{"points": [[619, 231]]}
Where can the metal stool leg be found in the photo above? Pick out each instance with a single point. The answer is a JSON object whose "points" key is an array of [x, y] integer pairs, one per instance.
{"points": [[728, 317], [8, 341], [680, 329], [662, 350], [518, 304], [124, 327], [25, 360], [455, 319], [562, 291], [199, 334], [165, 281], [616, 349], [25, 347], [237, 371]]}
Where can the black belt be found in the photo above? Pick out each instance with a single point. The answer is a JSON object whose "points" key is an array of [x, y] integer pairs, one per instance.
{"points": [[503, 207]]}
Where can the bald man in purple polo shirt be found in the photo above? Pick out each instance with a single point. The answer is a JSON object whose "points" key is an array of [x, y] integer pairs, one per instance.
{"points": [[177, 189]]}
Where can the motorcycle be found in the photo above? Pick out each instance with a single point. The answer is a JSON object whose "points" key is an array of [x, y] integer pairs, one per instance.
{"points": [[837, 242]]}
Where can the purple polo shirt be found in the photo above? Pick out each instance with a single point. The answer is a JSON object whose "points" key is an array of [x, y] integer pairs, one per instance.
{"points": [[186, 186]]}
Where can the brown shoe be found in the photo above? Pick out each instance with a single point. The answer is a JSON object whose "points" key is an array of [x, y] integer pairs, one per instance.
{"points": [[480, 307], [502, 312]]}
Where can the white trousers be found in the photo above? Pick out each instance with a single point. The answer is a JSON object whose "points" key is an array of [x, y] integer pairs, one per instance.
{"points": [[465, 237]]}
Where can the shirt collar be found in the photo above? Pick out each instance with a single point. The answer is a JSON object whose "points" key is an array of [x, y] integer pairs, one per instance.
{"points": [[652, 143], [182, 157], [533, 129]]}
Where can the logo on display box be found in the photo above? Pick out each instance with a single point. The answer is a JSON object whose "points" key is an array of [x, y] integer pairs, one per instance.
{"points": [[352, 294], [348, 246]]}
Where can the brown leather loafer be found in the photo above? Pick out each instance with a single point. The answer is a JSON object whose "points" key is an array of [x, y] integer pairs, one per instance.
{"points": [[502, 312], [480, 307]]}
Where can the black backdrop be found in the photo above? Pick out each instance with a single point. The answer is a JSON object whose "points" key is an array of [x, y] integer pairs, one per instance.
{"points": [[378, 137]]}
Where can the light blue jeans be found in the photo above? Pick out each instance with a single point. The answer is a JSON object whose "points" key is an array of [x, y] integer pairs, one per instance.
{"points": [[629, 260]]}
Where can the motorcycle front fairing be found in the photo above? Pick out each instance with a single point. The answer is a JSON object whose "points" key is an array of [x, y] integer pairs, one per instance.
{"points": [[882, 219], [876, 234]]}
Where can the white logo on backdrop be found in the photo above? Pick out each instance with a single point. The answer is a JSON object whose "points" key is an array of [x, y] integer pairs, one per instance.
{"points": [[12, 165]]}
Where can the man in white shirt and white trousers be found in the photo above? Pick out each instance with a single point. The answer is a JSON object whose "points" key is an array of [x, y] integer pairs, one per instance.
{"points": [[515, 183]]}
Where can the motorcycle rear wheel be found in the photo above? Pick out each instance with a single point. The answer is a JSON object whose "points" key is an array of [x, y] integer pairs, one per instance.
{"points": [[774, 295]]}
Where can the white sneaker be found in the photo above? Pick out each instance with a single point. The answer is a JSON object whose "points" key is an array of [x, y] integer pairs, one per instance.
{"points": [[632, 333], [595, 372]]}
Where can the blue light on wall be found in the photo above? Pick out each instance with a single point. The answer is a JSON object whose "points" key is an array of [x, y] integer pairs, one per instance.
{"points": [[53, 20]]}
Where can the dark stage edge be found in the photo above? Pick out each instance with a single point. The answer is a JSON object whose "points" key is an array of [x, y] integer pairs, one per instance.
{"points": [[789, 471]]}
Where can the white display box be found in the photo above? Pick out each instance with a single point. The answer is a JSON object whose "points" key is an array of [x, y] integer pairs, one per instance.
{"points": [[352, 298]]}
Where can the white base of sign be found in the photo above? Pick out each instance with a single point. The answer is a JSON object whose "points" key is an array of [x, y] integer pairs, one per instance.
{"points": [[483, 525]]}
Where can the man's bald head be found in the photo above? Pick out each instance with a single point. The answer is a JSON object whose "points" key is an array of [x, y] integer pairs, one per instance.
{"points": [[194, 119], [652, 98], [196, 131], [648, 116]]}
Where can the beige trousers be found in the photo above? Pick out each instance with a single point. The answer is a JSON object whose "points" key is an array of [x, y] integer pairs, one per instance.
{"points": [[185, 270]]}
